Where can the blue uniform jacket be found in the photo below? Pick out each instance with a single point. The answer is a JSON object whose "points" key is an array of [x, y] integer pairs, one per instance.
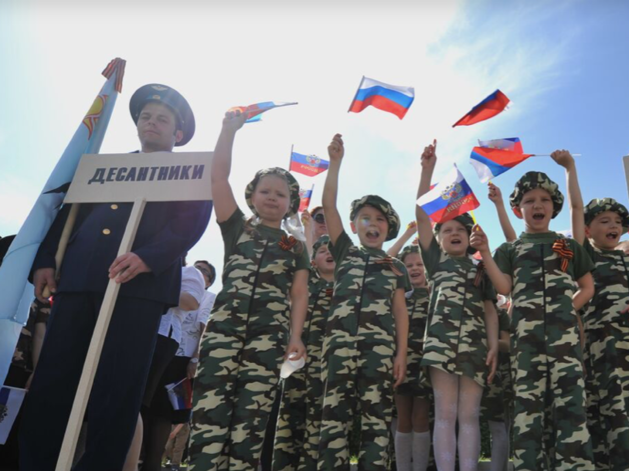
{"points": [[166, 232]]}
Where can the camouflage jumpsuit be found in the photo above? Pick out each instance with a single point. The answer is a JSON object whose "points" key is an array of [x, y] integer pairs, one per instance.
{"points": [[607, 359], [416, 383], [297, 436], [456, 339], [358, 351], [549, 403], [243, 348], [498, 395]]}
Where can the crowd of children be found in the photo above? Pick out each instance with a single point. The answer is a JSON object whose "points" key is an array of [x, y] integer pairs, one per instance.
{"points": [[534, 335]]}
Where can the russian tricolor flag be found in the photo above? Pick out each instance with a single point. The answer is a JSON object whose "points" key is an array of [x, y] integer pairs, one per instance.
{"points": [[255, 111], [304, 198], [489, 162], [310, 165], [391, 98], [180, 394], [450, 198], [488, 108]]}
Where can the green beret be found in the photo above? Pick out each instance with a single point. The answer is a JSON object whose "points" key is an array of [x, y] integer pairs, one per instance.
{"points": [[381, 205], [600, 205], [323, 240], [467, 222], [531, 181], [406, 251], [293, 187]]}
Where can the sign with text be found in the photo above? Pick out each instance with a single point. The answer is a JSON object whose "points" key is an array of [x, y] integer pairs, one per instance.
{"points": [[156, 176]]}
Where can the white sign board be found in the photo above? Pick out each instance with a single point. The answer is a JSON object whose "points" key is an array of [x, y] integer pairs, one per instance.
{"points": [[10, 402], [156, 176]]}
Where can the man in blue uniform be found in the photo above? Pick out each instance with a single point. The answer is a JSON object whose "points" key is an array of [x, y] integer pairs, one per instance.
{"points": [[150, 278]]}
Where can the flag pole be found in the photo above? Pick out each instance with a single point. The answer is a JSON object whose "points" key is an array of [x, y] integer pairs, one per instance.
{"points": [[356, 94], [548, 155], [290, 159]]}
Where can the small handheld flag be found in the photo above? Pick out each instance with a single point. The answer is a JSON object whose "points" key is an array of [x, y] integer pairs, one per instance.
{"points": [[450, 198], [391, 98], [488, 108], [310, 165], [255, 111], [489, 162], [180, 394], [508, 143], [304, 198]]}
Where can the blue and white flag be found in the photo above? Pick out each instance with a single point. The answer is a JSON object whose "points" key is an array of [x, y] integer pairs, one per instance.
{"points": [[16, 292]]}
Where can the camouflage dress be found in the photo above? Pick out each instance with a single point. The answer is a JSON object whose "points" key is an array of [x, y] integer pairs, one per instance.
{"points": [[416, 383], [607, 359], [498, 396], [358, 351], [456, 339], [549, 403], [243, 347], [297, 436]]}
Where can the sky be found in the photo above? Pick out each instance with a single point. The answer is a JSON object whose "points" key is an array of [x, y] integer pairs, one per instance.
{"points": [[564, 65]]}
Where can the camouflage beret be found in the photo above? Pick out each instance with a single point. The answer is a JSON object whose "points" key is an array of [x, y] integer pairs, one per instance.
{"points": [[321, 241], [381, 205], [406, 251], [467, 222], [531, 181], [600, 205], [293, 187]]}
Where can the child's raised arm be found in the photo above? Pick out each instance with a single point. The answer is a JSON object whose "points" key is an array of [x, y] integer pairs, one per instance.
{"points": [[222, 194], [501, 281], [575, 200], [336, 150], [424, 227], [396, 248], [495, 196]]}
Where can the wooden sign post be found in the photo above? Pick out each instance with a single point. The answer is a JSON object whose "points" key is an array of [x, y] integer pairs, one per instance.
{"points": [[124, 178]]}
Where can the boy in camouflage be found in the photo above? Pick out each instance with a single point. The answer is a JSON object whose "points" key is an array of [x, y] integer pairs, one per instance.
{"points": [[297, 436], [367, 317], [461, 345], [540, 270], [413, 397], [599, 227], [265, 288]]}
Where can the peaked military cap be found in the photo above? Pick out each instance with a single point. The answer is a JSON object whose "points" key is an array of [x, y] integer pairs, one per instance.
{"points": [[169, 97]]}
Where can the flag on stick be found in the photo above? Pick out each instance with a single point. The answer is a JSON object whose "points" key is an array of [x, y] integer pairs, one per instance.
{"points": [[255, 111], [451, 197], [304, 198], [498, 157], [488, 108], [310, 165], [391, 98], [180, 394], [15, 291]]}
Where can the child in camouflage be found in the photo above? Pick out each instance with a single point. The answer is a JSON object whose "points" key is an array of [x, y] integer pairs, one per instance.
{"points": [[365, 344], [413, 397], [297, 435], [540, 270], [461, 344], [599, 227], [265, 288]]}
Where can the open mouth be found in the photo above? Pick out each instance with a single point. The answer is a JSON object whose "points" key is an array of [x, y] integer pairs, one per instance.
{"points": [[612, 235], [372, 235], [415, 275], [538, 216], [456, 242], [330, 259]]}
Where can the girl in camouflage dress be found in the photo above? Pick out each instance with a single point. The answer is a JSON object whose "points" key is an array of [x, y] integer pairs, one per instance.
{"points": [[461, 343], [265, 288]]}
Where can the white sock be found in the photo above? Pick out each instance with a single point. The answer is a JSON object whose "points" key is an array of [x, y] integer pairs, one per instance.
{"points": [[403, 451], [499, 445], [421, 450]]}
